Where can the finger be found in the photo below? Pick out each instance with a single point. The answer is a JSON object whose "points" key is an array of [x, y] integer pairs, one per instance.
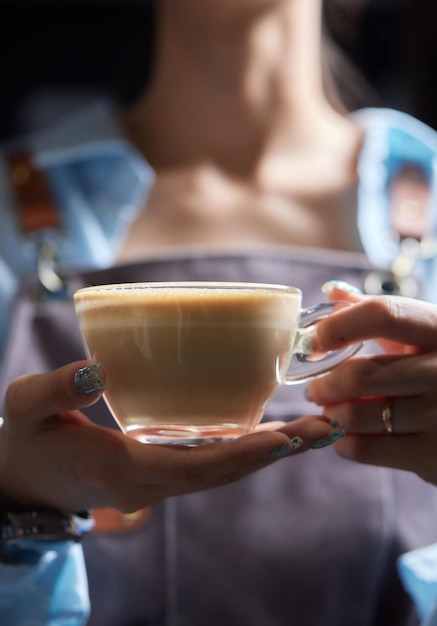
{"points": [[211, 464], [409, 415], [273, 425], [126, 474], [185, 470], [73, 386], [347, 293], [379, 375], [338, 290], [405, 452], [150, 473], [399, 319]]}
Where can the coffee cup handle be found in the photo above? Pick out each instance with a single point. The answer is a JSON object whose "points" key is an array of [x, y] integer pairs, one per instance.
{"points": [[305, 363]]}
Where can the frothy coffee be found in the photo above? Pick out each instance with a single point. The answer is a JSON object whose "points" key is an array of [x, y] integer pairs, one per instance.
{"points": [[188, 359]]}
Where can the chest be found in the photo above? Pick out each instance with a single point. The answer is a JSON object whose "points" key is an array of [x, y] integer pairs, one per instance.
{"points": [[224, 214]]}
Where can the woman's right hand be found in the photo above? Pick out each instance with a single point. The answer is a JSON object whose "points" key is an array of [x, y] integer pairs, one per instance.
{"points": [[52, 455]]}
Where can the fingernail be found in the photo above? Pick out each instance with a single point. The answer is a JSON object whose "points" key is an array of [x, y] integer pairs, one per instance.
{"points": [[337, 432], [328, 287], [87, 379], [287, 448], [308, 344], [305, 342]]}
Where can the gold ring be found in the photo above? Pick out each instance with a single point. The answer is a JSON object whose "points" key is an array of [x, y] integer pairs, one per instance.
{"points": [[387, 416]]}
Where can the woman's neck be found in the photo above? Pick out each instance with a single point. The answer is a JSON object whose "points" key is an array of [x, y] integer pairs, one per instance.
{"points": [[246, 147], [236, 85]]}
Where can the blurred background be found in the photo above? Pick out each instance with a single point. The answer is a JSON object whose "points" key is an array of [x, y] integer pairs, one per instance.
{"points": [[56, 55], [393, 45]]}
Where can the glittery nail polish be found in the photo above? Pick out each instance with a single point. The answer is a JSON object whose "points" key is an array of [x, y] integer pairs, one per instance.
{"points": [[337, 432], [339, 284], [287, 448], [87, 379]]}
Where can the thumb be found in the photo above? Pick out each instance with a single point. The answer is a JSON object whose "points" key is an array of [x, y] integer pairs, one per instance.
{"points": [[70, 387]]}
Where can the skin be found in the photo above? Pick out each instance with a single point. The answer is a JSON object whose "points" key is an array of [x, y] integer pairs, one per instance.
{"points": [[356, 392], [237, 158], [44, 430], [253, 156]]}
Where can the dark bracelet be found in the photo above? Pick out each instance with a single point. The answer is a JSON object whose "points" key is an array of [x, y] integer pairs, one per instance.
{"points": [[19, 521], [50, 525]]}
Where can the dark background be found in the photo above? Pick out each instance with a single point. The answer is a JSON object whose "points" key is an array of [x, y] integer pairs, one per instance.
{"points": [[75, 49], [70, 50], [394, 45]]}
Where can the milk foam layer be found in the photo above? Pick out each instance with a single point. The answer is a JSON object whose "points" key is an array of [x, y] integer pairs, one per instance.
{"points": [[163, 306]]}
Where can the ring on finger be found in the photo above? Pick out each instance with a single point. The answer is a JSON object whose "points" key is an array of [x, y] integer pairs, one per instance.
{"points": [[387, 415]]}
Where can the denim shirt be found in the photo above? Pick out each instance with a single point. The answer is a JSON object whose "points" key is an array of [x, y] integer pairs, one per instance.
{"points": [[100, 183]]}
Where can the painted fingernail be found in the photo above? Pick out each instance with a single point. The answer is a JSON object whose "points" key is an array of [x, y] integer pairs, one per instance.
{"points": [[308, 344], [337, 432], [287, 448], [328, 287], [305, 342], [88, 379]]}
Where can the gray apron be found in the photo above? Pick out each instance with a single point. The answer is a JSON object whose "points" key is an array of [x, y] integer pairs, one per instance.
{"points": [[309, 541]]}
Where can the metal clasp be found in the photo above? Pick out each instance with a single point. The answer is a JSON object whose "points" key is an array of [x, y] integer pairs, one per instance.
{"points": [[50, 282]]}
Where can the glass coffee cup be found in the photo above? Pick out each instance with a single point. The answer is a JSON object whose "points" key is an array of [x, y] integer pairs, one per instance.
{"points": [[196, 362]]}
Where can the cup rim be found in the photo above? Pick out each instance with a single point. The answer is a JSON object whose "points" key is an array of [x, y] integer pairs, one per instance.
{"points": [[186, 285]]}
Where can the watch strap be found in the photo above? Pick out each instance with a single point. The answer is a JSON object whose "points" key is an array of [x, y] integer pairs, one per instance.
{"points": [[45, 524]]}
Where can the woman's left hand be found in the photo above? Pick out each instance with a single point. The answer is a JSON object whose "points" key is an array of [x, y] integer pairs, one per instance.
{"points": [[395, 390]]}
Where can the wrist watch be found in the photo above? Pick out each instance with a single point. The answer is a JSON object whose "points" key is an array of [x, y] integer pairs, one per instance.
{"points": [[26, 535], [18, 522]]}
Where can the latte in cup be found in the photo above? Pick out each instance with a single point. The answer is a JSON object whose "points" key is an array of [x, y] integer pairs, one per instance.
{"points": [[189, 362]]}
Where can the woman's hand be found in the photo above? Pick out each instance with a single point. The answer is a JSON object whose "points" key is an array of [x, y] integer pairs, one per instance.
{"points": [[52, 455], [399, 385]]}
